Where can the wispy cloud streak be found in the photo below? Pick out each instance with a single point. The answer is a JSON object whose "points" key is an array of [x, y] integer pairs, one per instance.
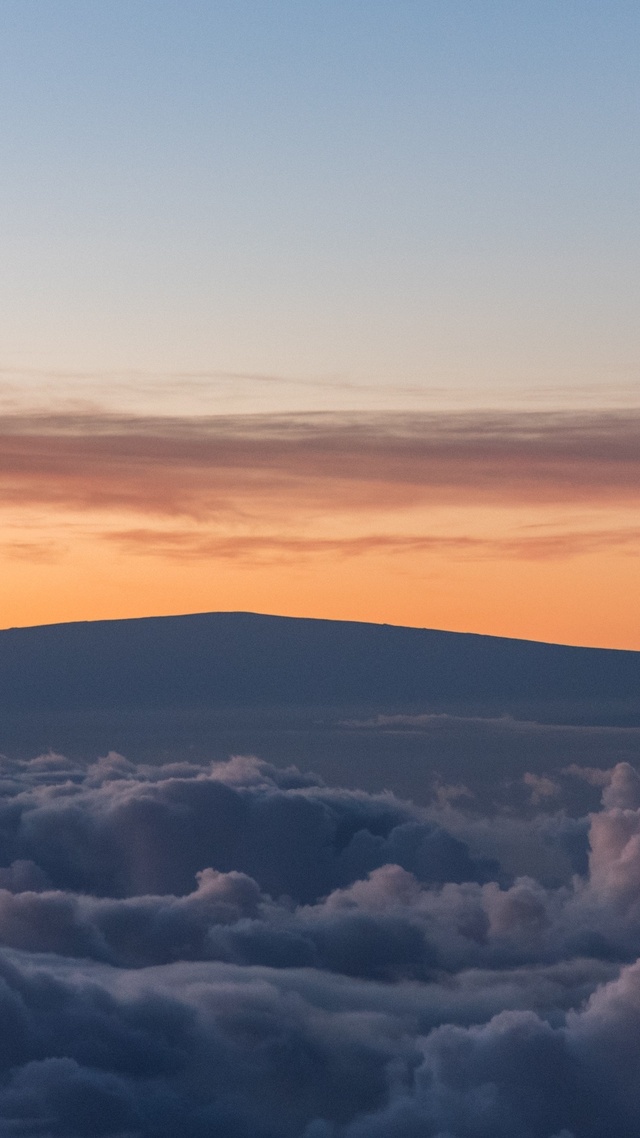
{"points": [[187, 545], [204, 466]]}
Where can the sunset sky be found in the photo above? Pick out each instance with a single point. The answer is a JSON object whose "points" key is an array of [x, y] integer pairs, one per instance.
{"points": [[323, 309]]}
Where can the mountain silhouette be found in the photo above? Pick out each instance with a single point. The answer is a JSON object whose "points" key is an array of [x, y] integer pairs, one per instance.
{"points": [[252, 661]]}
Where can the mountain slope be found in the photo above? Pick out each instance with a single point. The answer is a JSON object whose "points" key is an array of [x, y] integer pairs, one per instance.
{"points": [[246, 660]]}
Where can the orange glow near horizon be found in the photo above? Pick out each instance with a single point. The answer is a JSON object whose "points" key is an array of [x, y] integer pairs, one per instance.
{"points": [[522, 527], [588, 599]]}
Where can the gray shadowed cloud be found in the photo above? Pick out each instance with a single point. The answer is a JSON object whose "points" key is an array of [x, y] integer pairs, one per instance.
{"points": [[338, 965]]}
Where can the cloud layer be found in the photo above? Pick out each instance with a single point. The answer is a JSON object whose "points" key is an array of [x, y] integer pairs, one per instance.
{"points": [[201, 466], [236, 950], [267, 490]]}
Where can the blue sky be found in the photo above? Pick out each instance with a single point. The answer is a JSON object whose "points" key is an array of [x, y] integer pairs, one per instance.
{"points": [[441, 196]]}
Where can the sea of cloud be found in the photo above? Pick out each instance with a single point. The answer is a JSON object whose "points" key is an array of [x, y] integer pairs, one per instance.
{"points": [[241, 951]]}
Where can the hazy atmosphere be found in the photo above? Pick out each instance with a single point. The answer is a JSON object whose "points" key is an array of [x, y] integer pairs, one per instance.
{"points": [[319, 606]]}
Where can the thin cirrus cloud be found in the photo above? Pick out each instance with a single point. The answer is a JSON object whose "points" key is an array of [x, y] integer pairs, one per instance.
{"points": [[208, 467], [186, 545]]}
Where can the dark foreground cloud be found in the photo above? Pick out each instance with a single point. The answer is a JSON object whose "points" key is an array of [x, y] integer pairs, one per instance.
{"points": [[239, 951], [118, 831]]}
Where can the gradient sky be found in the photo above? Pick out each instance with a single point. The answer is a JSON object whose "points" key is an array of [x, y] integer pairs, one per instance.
{"points": [[326, 309]]}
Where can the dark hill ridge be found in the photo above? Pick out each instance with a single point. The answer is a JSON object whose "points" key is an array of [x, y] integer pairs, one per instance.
{"points": [[247, 660]]}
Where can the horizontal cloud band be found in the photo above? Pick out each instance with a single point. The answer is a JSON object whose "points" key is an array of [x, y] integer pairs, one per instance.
{"points": [[208, 466]]}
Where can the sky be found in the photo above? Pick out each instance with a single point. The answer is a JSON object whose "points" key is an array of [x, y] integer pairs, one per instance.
{"points": [[324, 309]]}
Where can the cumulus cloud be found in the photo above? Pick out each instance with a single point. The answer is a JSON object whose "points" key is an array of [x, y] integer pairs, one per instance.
{"points": [[114, 831], [244, 951], [541, 787]]}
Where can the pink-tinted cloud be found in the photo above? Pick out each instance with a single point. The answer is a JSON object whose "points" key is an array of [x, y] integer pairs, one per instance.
{"points": [[188, 544], [245, 465]]}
